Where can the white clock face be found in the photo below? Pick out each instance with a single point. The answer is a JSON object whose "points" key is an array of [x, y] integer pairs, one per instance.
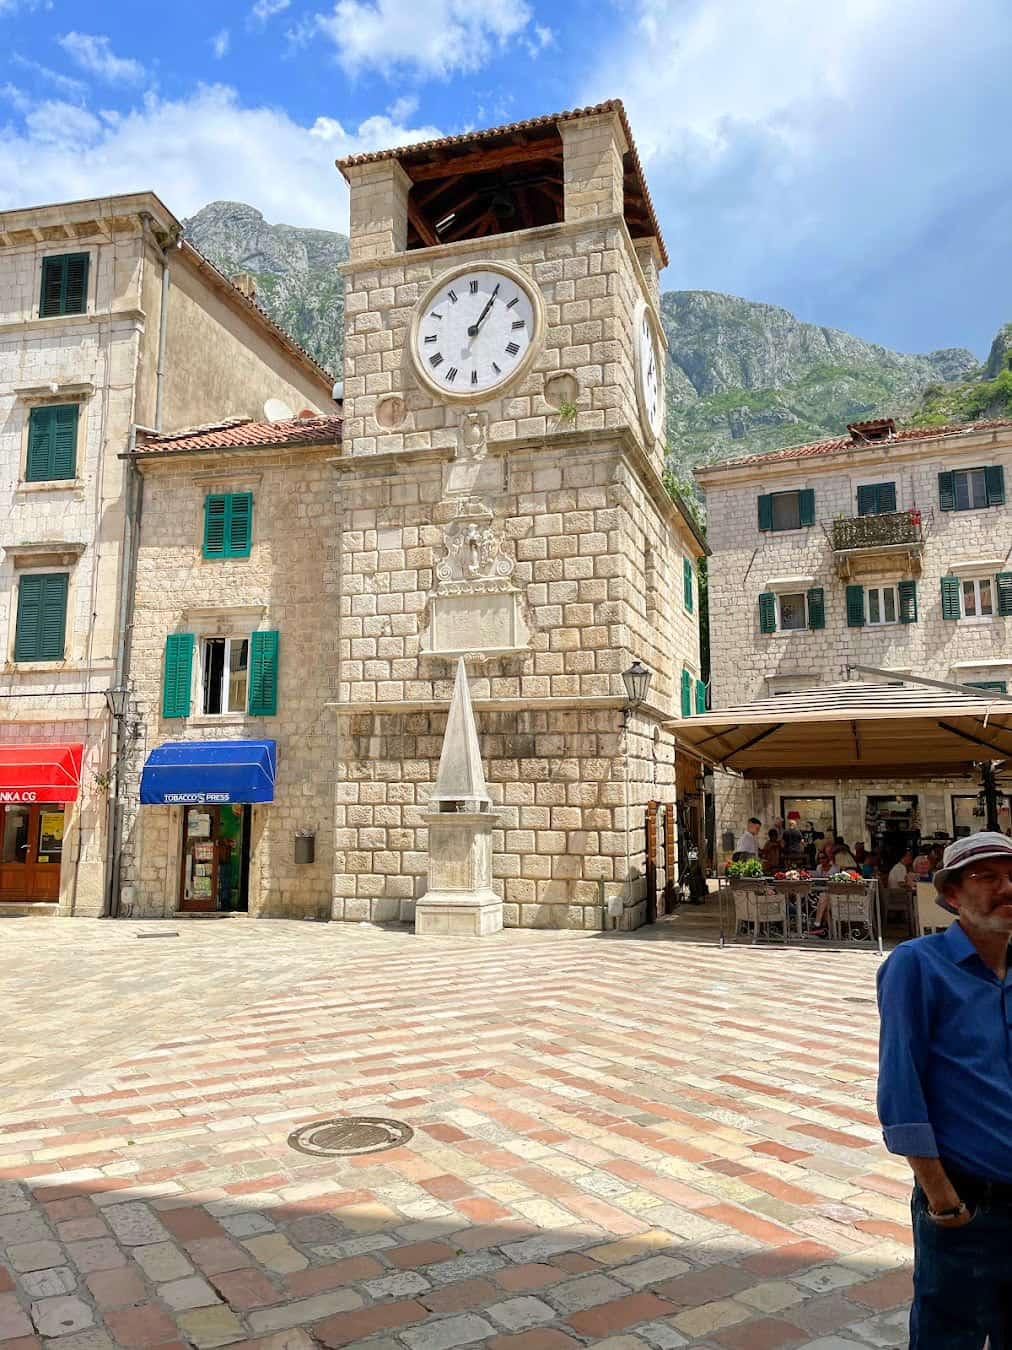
{"points": [[474, 332], [649, 381]]}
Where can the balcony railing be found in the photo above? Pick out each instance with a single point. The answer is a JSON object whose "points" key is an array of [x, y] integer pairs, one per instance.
{"points": [[874, 532]]}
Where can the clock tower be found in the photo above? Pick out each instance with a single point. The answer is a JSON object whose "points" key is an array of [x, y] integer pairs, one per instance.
{"points": [[500, 498]]}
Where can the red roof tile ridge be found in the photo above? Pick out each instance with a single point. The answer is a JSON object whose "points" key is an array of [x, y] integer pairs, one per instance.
{"points": [[245, 433], [812, 449], [220, 424]]}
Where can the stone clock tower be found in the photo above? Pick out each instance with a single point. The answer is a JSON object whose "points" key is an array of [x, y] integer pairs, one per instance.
{"points": [[500, 499]]}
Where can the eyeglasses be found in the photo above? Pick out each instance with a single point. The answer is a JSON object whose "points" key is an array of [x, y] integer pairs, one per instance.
{"points": [[990, 880]]}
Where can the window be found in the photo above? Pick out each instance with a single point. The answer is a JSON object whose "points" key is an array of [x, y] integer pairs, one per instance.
{"points": [[990, 686], [787, 510], [816, 815], [52, 443], [687, 571], [40, 632], [792, 611], [686, 694], [228, 521], [236, 674], [977, 597], [224, 664], [971, 489], [876, 499], [882, 606], [64, 285]]}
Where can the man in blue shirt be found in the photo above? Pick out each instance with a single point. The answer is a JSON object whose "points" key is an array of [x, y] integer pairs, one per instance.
{"points": [[945, 1099]]}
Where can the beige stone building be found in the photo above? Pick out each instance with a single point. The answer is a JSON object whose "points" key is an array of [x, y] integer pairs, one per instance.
{"points": [[496, 494], [881, 548], [108, 321]]}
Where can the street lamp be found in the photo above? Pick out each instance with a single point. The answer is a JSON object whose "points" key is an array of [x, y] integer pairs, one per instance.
{"points": [[637, 684], [117, 700]]}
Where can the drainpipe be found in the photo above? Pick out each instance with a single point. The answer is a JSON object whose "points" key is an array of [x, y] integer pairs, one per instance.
{"points": [[133, 502]]}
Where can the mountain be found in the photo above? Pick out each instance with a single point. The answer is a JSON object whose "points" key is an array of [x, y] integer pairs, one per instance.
{"points": [[742, 377], [745, 377], [296, 271]]}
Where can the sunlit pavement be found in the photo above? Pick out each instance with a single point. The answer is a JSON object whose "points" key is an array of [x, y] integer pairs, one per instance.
{"points": [[617, 1141]]}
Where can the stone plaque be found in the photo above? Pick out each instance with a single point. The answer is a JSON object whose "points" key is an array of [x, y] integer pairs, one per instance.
{"points": [[450, 867], [475, 622]]}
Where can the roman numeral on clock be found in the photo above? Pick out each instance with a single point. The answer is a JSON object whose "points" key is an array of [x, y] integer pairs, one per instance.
{"points": [[518, 323], [436, 359], [453, 296], [451, 374], [474, 287], [511, 303], [496, 368], [431, 337], [512, 348], [474, 377]]}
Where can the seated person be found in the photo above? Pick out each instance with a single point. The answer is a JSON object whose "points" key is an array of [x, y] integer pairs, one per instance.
{"points": [[772, 854], [899, 873], [923, 866]]}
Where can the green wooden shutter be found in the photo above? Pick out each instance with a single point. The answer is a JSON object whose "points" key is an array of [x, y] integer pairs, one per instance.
{"points": [[687, 583], [263, 673], [816, 608], [52, 443], [686, 694], [886, 498], [1003, 585], [767, 612], [765, 511], [806, 506], [700, 696], [950, 598], [40, 632], [994, 482], [240, 521], [992, 686], [177, 678], [946, 491], [907, 595], [64, 285], [867, 501], [855, 606], [215, 521]]}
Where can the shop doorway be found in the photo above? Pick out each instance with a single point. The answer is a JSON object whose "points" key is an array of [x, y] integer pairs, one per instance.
{"points": [[215, 868], [31, 852], [894, 825], [816, 821]]}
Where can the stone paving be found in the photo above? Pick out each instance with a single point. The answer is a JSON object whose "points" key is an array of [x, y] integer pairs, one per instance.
{"points": [[622, 1140]]}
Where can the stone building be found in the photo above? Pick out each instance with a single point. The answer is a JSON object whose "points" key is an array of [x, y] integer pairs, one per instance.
{"points": [[881, 548], [496, 494], [107, 321]]}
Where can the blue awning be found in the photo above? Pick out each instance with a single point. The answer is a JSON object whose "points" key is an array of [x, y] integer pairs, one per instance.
{"points": [[198, 773]]}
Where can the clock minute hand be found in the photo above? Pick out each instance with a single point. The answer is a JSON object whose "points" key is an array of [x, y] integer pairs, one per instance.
{"points": [[473, 330]]}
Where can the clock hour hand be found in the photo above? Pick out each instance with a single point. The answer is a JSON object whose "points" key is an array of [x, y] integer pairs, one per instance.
{"points": [[473, 330]]}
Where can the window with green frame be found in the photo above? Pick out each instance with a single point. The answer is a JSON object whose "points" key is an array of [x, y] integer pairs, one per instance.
{"points": [[40, 630], [228, 524], [52, 443], [64, 285], [990, 686], [688, 571]]}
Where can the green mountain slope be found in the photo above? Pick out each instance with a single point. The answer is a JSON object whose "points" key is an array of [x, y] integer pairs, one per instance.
{"points": [[742, 377]]}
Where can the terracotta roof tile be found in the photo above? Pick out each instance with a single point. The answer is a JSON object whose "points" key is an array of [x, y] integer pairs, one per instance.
{"points": [[512, 128], [240, 433], [813, 449]]}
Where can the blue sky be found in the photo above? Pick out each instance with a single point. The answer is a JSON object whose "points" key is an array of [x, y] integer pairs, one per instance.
{"points": [[848, 160]]}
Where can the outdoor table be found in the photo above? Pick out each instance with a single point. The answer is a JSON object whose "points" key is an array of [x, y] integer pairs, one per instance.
{"points": [[772, 903]]}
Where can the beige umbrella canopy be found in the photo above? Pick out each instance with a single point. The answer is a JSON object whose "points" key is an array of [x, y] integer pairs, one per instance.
{"points": [[852, 730]]}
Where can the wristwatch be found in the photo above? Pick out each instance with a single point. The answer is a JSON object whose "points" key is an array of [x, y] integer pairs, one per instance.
{"points": [[956, 1212]]}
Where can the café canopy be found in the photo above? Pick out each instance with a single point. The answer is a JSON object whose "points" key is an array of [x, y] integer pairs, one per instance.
{"points": [[853, 730]]}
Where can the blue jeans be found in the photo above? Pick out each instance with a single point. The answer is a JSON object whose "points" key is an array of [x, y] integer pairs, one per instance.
{"points": [[962, 1278]]}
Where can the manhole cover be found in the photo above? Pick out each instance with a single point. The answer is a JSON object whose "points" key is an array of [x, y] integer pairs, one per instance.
{"points": [[352, 1134]]}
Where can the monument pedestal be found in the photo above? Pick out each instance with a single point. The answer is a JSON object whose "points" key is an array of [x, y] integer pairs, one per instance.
{"points": [[460, 898]]}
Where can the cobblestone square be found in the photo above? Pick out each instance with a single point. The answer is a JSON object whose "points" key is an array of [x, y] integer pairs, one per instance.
{"points": [[622, 1140]]}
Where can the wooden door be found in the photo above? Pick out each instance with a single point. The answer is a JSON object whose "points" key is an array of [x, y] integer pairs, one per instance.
{"points": [[198, 882], [31, 853]]}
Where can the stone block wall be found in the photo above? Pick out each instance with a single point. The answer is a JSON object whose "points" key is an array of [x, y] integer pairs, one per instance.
{"points": [[745, 661]]}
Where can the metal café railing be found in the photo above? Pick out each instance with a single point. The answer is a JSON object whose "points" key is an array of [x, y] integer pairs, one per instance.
{"points": [[769, 909]]}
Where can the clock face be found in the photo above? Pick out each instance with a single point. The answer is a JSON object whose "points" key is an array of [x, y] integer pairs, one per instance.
{"points": [[648, 383], [474, 331]]}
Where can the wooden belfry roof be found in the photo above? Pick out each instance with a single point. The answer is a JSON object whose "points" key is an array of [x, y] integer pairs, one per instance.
{"points": [[852, 730], [502, 179]]}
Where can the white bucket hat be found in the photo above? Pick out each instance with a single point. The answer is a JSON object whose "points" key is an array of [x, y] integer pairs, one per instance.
{"points": [[973, 848]]}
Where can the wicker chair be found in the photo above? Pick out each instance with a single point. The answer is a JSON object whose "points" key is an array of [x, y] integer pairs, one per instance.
{"points": [[852, 906]]}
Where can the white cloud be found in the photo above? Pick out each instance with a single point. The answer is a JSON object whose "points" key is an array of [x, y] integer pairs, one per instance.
{"points": [[434, 39], [192, 151], [220, 43], [93, 53], [266, 9], [54, 81]]}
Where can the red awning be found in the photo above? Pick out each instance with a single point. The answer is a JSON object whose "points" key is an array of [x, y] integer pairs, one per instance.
{"points": [[40, 773]]}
